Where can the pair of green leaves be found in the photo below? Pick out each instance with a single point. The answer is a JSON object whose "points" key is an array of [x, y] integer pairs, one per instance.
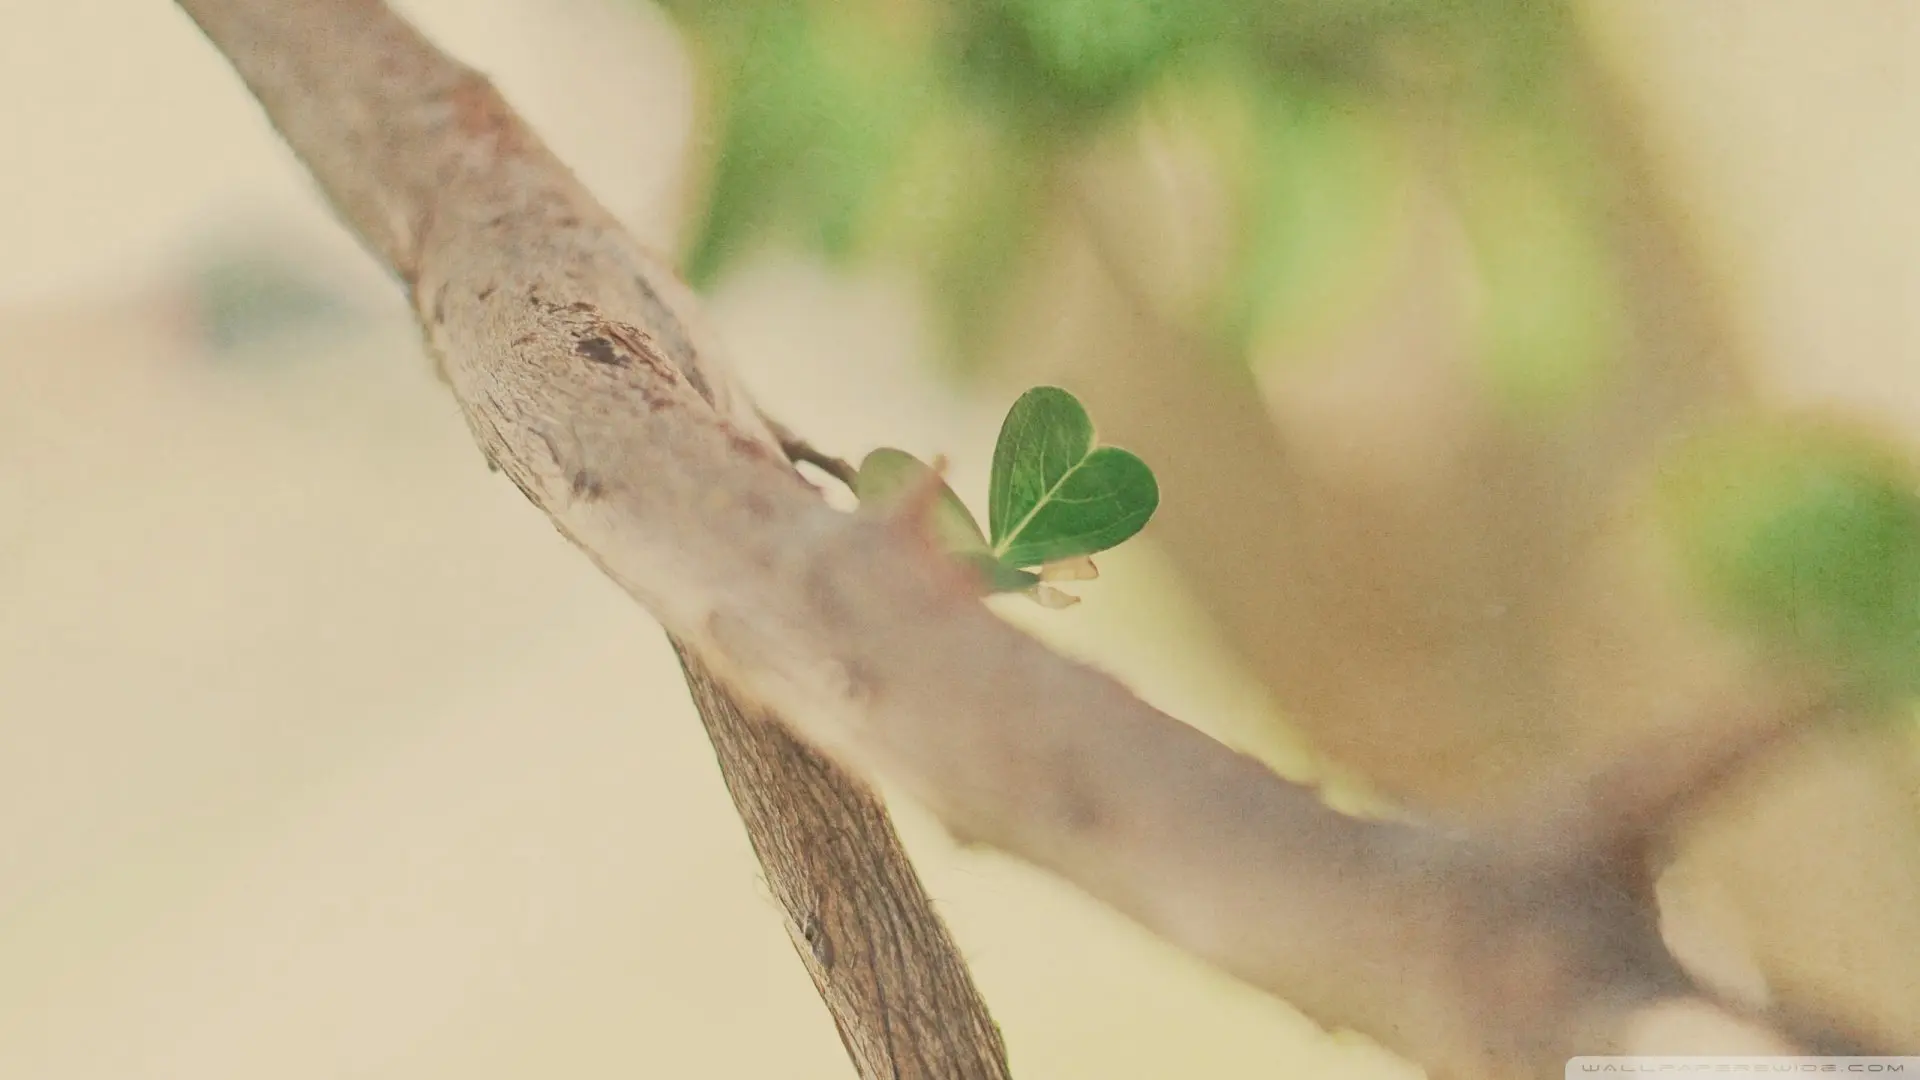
{"points": [[1055, 496]]}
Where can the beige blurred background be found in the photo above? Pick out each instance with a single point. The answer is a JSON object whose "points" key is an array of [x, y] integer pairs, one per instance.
{"points": [[321, 756]]}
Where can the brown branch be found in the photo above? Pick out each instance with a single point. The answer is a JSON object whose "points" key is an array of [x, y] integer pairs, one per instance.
{"points": [[579, 367], [897, 988], [862, 924]]}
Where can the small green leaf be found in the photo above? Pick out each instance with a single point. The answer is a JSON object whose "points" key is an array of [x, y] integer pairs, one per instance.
{"points": [[1054, 495], [999, 576], [888, 473]]}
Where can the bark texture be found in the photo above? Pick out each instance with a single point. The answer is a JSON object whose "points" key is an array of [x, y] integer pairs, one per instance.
{"points": [[879, 955]]}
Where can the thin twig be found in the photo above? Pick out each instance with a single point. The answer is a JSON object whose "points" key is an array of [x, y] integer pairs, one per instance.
{"points": [[859, 919], [799, 450]]}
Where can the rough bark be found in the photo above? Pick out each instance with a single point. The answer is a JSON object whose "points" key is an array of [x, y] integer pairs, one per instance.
{"points": [[863, 926]]}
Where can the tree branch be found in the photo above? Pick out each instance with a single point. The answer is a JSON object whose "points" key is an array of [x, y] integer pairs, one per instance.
{"points": [[878, 954], [577, 363], [897, 988]]}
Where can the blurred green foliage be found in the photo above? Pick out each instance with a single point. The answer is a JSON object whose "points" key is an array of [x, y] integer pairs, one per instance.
{"points": [[941, 134], [817, 108], [945, 134], [1808, 535], [248, 295], [1550, 321], [1319, 176]]}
